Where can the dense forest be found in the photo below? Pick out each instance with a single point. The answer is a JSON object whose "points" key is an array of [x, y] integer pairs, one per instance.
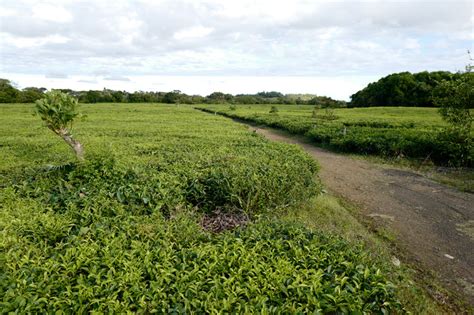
{"points": [[403, 89], [10, 94]]}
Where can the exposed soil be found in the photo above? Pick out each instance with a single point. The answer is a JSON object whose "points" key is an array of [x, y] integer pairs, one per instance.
{"points": [[432, 223], [220, 220]]}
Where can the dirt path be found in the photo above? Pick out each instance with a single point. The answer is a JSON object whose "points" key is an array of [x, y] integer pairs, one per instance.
{"points": [[433, 223]]}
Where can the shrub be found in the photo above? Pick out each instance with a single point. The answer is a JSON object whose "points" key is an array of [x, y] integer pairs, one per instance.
{"points": [[455, 99], [454, 147], [264, 178], [384, 138], [273, 110], [118, 233], [58, 111], [275, 176], [329, 114], [145, 264]]}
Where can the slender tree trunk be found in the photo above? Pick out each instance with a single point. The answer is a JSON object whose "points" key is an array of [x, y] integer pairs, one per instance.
{"points": [[74, 144]]}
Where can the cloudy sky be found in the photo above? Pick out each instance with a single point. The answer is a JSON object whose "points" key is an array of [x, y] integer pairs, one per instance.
{"points": [[297, 46]]}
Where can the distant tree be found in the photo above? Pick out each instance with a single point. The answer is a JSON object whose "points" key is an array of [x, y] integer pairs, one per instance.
{"points": [[30, 95], [324, 101], [402, 89], [58, 110], [172, 97], [198, 99], [287, 100], [455, 99], [272, 94], [8, 93], [245, 99], [91, 97], [219, 98], [274, 110], [119, 96], [141, 97]]}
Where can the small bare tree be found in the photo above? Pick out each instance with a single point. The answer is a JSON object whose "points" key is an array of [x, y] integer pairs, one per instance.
{"points": [[58, 110]]}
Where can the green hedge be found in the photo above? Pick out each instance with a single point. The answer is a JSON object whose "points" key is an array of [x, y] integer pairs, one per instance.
{"points": [[119, 233], [50, 262], [382, 138], [261, 179]]}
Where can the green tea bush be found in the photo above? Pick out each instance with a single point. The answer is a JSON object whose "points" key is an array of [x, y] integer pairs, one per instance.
{"points": [[144, 264], [264, 178], [456, 146], [215, 166], [119, 232], [99, 180], [385, 138], [273, 176], [273, 110]]}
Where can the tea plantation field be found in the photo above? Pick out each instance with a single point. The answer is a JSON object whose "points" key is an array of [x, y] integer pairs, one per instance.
{"points": [[122, 232], [391, 132]]}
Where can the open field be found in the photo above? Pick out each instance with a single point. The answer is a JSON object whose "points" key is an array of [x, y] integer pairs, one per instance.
{"points": [[391, 132], [122, 232]]}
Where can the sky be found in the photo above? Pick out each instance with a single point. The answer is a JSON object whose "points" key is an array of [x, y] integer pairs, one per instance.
{"points": [[331, 48]]}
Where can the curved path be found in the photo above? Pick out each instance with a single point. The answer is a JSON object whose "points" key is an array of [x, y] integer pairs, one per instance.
{"points": [[432, 223]]}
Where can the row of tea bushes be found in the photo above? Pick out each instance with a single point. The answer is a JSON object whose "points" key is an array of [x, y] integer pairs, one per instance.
{"points": [[120, 232], [145, 264], [384, 138]]}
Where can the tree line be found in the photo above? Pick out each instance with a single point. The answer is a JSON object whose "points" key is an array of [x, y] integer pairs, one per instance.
{"points": [[10, 94], [406, 89], [397, 89]]}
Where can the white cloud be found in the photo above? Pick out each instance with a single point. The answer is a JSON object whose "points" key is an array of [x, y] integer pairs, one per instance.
{"points": [[7, 12], [116, 78], [32, 42], [241, 38], [194, 32], [267, 10], [52, 13], [412, 43]]}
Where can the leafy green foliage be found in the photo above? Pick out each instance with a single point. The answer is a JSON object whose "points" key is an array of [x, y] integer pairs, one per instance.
{"points": [[252, 182], [31, 94], [329, 114], [273, 110], [455, 98], [8, 93], [148, 264], [389, 132], [57, 109], [118, 233], [403, 89]]}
